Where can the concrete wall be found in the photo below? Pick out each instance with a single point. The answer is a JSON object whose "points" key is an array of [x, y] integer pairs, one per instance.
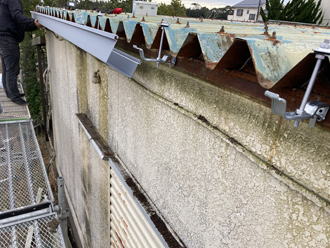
{"points": [[221, 168]]}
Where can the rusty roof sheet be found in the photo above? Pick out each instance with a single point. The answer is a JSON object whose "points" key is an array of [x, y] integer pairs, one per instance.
{"points": [[274, 54]]}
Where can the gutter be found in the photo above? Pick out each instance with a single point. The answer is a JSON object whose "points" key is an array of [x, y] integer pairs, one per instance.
{"points": [[96, 42]]}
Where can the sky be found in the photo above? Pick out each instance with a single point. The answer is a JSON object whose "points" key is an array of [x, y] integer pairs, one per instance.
{"points": [[207, 3]]}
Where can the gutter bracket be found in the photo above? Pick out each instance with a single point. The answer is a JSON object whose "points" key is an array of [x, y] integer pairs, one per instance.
{"points": [[313, 110], [166, 56]]}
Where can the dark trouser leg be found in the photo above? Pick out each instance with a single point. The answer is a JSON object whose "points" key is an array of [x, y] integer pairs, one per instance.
{"points": [[9, 51], [4, 77]]}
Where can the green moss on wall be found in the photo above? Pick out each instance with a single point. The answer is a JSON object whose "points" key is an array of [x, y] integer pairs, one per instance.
{"points": [[82, 77]]}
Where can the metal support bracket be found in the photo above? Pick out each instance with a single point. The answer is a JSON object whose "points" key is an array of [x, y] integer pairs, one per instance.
{"points": [[165, 57], [62, 210], [313, 110]]}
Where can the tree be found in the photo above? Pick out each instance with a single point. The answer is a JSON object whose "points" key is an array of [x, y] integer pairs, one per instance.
{"points": [[195, 6], [176, 8], [307, 11], [196, 10], [164, 9], [28, 65], [274, 8], [220, 13], [303, 11]]}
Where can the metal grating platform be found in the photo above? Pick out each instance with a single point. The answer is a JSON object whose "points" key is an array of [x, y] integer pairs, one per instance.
{"points": [[27, 212], [23, 178], [41, 230], [12, 111]]}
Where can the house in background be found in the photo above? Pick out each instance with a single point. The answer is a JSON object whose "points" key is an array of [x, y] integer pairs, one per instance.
{"points": [[247, 10], [145, 8], [326, 10]]}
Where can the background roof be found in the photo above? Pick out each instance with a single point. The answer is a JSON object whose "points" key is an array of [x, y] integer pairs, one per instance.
{"points": [[249, 3]]}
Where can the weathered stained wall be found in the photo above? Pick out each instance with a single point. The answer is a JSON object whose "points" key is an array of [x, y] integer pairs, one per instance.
{"points": [[221, 168]]}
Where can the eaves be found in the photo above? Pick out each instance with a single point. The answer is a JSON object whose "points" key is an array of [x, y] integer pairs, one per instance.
{"points": [[242, 56]]}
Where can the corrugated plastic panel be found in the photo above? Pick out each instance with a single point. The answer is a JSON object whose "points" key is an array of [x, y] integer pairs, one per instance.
{"points": [[130, 225]]}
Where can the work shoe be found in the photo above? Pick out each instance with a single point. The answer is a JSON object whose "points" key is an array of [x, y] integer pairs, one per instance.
{"points": [[21, 102]]}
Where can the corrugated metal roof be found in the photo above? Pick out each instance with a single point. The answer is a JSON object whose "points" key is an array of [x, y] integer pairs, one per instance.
{"points": [[249, 4], [273, 58], [269, 58]]}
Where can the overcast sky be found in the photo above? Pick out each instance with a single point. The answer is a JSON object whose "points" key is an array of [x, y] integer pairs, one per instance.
{"points": [[207, 3]]}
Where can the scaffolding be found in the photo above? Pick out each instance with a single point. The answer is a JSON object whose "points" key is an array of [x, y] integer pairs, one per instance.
{"points": [[12, 111], [27, 216]]}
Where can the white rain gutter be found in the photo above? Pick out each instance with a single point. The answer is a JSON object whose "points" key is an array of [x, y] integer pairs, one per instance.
{"points": [[96, 42]]}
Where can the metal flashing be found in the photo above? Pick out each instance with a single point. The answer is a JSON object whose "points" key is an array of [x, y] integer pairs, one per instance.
{"points": [[101, 148]]}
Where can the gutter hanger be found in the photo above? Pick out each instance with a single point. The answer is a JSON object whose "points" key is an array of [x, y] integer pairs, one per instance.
{"points": [[312, 110], [166, 56]]}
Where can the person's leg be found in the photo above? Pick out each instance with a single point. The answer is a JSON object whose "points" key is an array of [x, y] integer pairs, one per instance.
{"points": [[10, 58], [3, 47], [4, 83], [3, 78]]}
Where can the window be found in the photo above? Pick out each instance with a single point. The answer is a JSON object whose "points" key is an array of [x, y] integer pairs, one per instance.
{"points": [[239, 12], [248, 11], [252, 17]]}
